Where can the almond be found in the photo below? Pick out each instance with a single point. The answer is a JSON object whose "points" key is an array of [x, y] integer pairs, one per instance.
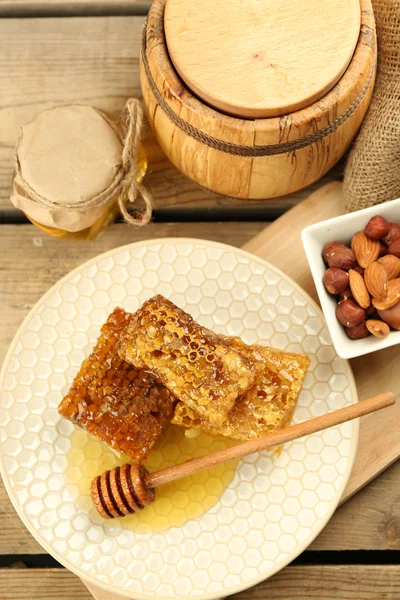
{"points": [[365, 249], [392, 298], [376, 279], [391, 264], [359, 289], [378, 328]]}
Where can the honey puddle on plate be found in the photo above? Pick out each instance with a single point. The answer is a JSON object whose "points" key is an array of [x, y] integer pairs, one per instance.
{"points": [[176, 502]]}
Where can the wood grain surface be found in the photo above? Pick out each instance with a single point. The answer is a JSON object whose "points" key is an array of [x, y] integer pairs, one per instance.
{"points": [[32, 262], [245, 63], [312, 582], [25, 8], [95, 60]]}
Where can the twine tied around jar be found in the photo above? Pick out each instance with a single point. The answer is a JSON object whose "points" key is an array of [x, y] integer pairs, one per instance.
{"points": [[73, 160], [131, 189]]}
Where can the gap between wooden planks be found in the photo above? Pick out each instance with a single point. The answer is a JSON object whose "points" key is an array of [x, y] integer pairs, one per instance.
{"points": [[313, 582]]}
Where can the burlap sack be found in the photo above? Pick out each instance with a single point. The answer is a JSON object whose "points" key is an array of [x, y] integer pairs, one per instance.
{"points": [[372, 173]]}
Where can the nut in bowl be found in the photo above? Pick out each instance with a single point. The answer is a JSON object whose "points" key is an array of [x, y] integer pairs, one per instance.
{"points": [[355, 263]]}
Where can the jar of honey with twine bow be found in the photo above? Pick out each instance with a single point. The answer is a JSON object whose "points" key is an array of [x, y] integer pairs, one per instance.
{"points": [[76, 170], [257, 99]]}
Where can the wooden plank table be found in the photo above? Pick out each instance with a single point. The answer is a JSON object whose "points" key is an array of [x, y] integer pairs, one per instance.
{"points": [[96, 61], [61, 57]]}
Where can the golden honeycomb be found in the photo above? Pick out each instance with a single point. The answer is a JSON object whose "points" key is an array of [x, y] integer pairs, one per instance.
{"points": [[268, 405], [176, 502], [204, 370], [115, 402]]}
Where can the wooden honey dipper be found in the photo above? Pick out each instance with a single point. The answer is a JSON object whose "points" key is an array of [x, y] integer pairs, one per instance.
{"points": [[127, 489]]}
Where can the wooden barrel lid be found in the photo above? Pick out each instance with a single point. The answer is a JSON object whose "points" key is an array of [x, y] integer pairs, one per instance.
{"points": [[261, 58]]}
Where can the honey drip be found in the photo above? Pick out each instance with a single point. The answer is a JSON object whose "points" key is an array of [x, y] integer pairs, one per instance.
{"points": [[176, 502], [107, 217]]}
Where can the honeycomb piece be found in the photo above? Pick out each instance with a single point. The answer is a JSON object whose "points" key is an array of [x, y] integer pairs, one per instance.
{"points": [[120, 405], [204, 370], [290, 366], [268, 405]]}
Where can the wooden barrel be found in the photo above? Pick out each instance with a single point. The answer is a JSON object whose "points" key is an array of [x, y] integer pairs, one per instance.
{"points": [[262, 157]]}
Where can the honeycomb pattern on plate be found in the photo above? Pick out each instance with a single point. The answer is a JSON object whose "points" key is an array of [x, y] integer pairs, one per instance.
{"points": [[273, 508]]}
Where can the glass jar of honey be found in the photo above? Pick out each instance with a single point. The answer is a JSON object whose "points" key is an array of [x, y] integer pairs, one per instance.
{"points": [[70, 172]]}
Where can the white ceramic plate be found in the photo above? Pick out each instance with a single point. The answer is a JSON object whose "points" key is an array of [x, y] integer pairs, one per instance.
{"points": [[272, 509]]}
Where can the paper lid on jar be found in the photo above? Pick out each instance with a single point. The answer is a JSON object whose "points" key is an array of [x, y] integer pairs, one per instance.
{"points": [[261, 58], [72, 161], [68, 167], [69, 153]]}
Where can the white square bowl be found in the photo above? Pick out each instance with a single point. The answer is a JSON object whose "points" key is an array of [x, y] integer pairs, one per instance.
{"points": [[341, 229]]}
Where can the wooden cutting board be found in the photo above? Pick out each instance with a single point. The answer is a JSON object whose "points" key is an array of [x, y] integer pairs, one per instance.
{"points": [[280, 244]]}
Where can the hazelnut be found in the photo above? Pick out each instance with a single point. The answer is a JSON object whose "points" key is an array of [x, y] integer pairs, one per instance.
{"points": [[359, 270], [391, 316], [383, 250], [358, 332], [335, 280], [377, 227], [346, 294], [394, 248], [371, 312], [349, 313], [339, 256], [328, 248], [378, 328], [393, 234]]}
